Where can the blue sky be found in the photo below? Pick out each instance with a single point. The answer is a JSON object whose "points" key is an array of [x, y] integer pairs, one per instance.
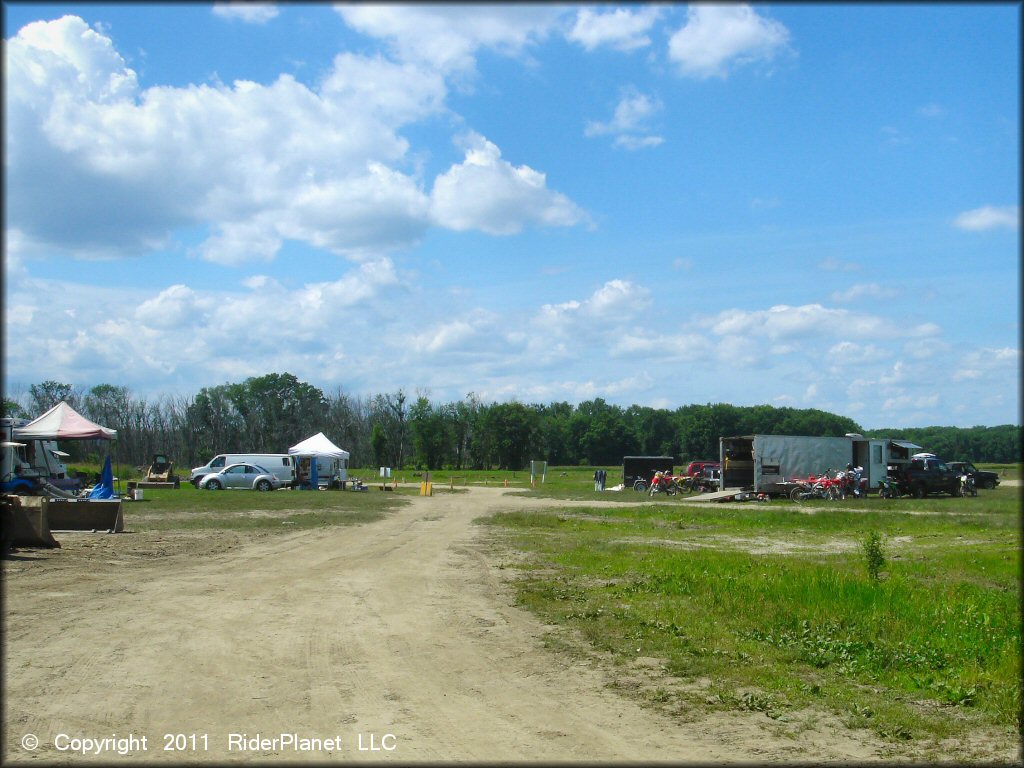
{"points": [[813, 206]]}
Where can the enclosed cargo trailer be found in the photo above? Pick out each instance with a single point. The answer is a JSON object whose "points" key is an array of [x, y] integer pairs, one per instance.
{"points": [[766, 463]]}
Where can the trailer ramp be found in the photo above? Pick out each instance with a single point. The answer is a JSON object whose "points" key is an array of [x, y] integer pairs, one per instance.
{"points": [[729, 494]]}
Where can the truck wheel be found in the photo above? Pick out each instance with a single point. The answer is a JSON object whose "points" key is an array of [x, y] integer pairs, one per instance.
{"points": [[989, 485], [919, 491]]}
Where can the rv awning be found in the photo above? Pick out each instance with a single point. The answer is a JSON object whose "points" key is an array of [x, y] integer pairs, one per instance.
{"points": [[907, 445], [318, 445], [62, 422]]}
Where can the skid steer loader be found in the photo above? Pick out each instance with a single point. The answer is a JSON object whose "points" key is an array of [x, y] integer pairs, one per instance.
{"points": [[159, 474]]}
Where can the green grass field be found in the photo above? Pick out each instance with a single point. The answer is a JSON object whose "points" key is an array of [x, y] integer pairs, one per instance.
{"points": [[187, 508], [778, 607]]}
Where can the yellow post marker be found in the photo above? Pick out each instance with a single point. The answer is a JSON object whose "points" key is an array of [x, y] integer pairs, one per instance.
{"points": [[426, 489]]}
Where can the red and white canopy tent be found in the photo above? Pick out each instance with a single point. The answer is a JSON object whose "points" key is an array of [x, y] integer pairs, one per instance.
{"points": [[62, 422]]}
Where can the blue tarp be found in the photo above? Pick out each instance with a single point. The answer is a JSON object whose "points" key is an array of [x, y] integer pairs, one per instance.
{"points": [[104, 489]]}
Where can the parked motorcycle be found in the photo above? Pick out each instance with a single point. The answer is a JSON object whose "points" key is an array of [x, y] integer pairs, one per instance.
{"points": [[688, 483], [967, 485], [889, 488], [663, 483], [837, 487], [848, 482], [814, 487]]}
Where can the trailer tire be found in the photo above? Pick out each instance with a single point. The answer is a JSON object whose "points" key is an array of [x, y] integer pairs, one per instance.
{"points": [[640, 486]]}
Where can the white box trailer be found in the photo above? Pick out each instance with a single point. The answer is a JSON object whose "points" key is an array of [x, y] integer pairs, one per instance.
{"points": [[764, 463]]}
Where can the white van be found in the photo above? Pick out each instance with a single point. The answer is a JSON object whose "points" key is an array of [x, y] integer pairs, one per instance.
{"points": [[279, 464]]}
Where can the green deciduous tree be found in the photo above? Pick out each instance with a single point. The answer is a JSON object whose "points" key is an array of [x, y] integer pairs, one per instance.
{"points": [[390, 413], [47, 394], [277, 411], [13, 410], [432, 432], [512, 434]]}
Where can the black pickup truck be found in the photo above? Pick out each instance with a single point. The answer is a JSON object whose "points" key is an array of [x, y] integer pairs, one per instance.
{"points": [[982, 478], [928, 475]]}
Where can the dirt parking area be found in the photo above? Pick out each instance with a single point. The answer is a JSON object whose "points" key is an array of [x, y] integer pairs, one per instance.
{"points": [[394, 640]]}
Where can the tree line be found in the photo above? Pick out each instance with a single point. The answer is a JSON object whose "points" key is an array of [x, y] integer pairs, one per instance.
{"points": [[270, 413]]}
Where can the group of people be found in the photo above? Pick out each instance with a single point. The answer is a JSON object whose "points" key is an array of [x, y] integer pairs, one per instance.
{"points": [[600, 476]]}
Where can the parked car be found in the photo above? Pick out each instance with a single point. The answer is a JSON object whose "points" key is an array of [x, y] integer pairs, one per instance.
{"points": [[247, 476], [281, 465], [982, 477], [695, 468]]}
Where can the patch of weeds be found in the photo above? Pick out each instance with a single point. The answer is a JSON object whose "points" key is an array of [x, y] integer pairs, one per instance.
{"points": [[752, 701], [898, 731]]}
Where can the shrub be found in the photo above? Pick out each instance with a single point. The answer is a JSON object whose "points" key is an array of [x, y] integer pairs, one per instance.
{"points": [[874, 555]]}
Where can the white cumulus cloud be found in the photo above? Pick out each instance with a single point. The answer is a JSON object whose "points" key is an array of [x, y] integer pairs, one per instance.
{"points": [[782, 322], [623, 29], [488, 193], [629, 123], [717, 38], [448, 37], [989, 217], [253, 165], [247, 11]]}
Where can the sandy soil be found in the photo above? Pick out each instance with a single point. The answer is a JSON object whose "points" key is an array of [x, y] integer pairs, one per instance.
{"points": [[396, 640]]}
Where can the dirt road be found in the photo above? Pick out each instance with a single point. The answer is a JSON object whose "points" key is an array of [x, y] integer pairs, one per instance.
{"points": [[396, 640]]}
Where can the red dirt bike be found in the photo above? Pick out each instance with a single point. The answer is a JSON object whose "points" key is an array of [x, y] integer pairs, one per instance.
{"points": [[667, 484], [848, 483], [811, 487]]}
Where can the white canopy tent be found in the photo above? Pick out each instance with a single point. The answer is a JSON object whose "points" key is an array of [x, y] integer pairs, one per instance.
{"points": [[318, 445], [332, 461]]}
